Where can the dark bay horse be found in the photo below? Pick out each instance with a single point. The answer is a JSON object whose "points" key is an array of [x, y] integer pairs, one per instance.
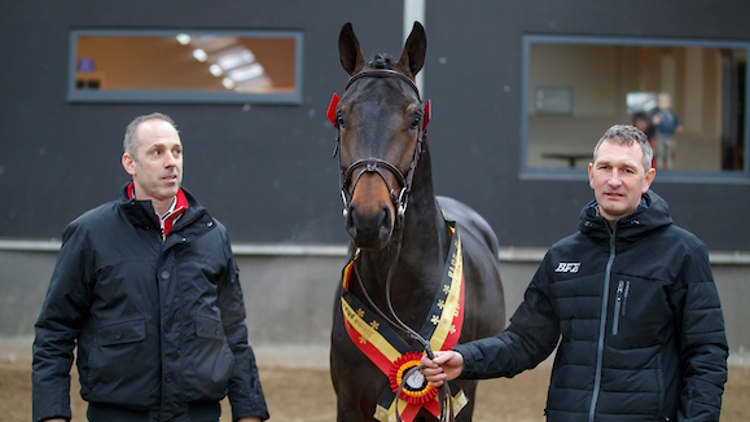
{"points": [[415, 281]]}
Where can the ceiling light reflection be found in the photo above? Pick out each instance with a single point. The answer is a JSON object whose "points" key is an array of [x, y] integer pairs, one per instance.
{"points": [[235, 57], [214, 44], [216, 70], [200, 55], [228, 83], [247, 72], [260, 84], [183, 39]]}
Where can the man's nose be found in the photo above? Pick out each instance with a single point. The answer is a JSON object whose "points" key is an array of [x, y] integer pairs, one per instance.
{"points": [[614, 178], [170, 160]]}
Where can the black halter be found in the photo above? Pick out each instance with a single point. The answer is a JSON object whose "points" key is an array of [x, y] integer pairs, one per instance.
{"points": [[375, 165]]}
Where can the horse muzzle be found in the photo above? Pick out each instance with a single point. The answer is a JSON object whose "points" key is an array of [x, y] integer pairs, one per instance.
{"points": [[369, 231]]}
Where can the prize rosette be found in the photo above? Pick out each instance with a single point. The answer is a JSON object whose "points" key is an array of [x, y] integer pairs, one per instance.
{"points": [[416, 390]]}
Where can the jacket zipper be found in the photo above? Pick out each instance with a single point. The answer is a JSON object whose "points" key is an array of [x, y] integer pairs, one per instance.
{"points": [[618, 305], [602, 326]]}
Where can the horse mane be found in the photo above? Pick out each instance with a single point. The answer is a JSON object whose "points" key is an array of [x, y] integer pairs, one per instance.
{"points": [[382, 61]]}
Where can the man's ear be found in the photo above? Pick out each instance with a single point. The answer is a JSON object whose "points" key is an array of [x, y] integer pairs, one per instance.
{"points": [[650, 175], [128, 163]]}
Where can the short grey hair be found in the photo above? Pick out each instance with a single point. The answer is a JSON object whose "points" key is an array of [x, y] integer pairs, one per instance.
{"points": [[130, 143], [627, 135]]}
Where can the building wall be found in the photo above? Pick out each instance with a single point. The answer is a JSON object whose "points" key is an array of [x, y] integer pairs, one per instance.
{"points": [[266, 170]]}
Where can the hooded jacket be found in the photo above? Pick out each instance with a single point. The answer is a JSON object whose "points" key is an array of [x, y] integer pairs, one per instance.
{"points": [[637, 317], [159, 324]]}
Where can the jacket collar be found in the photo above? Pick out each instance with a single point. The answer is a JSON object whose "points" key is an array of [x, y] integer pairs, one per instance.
{"points": [[651, 214], [142, 214]]}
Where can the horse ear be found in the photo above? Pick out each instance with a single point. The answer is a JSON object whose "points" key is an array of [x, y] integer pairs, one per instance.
{"points": [[350, 54], [415, 49]]}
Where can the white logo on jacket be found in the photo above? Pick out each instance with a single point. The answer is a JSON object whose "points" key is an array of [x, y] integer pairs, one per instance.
{"points": [[568, 267]]}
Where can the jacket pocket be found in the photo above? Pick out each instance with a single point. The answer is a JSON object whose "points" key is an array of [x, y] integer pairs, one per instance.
{"points": [[206, 327], [121, 332], [207, 361], [660, 384], [121, 368], [621, 301]]}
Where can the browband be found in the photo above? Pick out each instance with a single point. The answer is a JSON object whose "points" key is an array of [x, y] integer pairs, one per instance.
{"points": [[384, 73]]}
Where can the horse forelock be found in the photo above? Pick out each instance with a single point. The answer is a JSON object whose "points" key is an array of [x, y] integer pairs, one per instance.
{"points": [[382, 61]]}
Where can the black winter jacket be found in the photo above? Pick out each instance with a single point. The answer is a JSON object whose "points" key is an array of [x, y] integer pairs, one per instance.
{"points": [[639, 315], [159, 325]]}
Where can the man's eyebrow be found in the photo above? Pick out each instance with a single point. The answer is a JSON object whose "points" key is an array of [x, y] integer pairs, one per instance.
{"points": [[159, 145]]}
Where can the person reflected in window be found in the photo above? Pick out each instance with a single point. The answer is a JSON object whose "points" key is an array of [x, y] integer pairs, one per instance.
{"points": [[642, 123], [147, 289], [628, 301], [666, 124]]}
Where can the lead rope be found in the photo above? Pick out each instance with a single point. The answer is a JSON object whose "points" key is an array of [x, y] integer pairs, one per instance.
{"points": [[445, 399]]}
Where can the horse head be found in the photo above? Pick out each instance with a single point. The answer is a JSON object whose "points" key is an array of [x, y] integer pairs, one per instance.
{"points": [[381, 121]]}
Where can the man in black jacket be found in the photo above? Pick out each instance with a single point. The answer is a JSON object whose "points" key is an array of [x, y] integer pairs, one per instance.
{"points": [[147, 288], [631, 299]]}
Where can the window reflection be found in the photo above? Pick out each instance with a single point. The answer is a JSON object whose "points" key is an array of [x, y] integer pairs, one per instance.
{"points": [[158, 66], [591, 84]]}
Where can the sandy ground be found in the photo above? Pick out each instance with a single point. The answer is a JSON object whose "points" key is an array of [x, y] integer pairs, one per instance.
{"points": [[304, 393]]}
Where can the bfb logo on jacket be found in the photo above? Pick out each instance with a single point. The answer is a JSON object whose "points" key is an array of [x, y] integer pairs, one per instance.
{"points": [[568, 267]]}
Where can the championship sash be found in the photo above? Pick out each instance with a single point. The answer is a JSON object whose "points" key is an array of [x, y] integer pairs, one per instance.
{"points": [[394, 356]]}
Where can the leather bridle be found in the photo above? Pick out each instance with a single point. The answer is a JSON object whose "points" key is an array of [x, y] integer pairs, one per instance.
{"points": [[399, 198]]}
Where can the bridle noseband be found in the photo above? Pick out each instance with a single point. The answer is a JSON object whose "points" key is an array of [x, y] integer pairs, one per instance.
{"points": [[373, 165], [376, 165]]}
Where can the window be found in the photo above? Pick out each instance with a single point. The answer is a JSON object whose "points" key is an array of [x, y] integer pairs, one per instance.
{"points": [[185, 66], [575, 88]]}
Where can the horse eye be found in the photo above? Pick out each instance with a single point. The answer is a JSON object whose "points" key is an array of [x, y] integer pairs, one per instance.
{"points": [[415, 121], [340, 121]]}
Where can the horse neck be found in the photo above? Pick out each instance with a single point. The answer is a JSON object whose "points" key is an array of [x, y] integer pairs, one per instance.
{"points": [[424, 229]]}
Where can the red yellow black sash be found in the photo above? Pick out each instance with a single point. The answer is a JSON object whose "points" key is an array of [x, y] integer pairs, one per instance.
{"points": [[394, 356]]}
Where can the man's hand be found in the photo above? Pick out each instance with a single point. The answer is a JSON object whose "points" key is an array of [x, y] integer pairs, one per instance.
{"points": [[446, 366], [249, 419]]}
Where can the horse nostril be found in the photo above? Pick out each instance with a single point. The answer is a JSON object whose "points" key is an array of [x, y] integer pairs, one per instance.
{"points": [[351, 228], [384, 220]]}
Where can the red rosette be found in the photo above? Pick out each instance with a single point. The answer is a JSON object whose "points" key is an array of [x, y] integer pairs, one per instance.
{"points": [[416, 390]]}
